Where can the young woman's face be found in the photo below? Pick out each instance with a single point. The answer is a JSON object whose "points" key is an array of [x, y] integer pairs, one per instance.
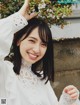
{"points": [[32, 49]]}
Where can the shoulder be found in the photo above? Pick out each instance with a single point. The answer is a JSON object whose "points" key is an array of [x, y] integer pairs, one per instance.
{"points": [[5, 65], [8, 63]]}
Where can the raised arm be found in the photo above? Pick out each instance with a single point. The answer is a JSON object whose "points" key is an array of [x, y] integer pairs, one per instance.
{"points": [[19, 19], [70, 96], [12, 24], [24, 10]]}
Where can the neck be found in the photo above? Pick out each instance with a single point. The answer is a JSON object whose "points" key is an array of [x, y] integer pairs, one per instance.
{"points": [[26, 64]]}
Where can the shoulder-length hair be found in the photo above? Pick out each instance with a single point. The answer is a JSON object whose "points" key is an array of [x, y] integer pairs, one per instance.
{"points": [[46, 64]]}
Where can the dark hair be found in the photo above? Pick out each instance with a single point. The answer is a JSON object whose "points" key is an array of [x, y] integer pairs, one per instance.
{"points": [[46, 63]]}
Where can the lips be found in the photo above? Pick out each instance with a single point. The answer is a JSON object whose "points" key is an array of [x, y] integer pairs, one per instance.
{"points": [[32, 56]]}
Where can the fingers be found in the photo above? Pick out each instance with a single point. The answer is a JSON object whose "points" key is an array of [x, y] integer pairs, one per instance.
{"points": [[28, 17], [70, 88], [27, 2], [33, 15], [72, 91], [74, 96]]}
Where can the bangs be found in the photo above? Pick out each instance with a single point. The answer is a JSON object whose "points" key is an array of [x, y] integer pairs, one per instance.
{"points": [[43, 29], [43, 34]]}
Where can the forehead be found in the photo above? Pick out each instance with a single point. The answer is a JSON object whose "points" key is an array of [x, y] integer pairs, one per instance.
{"points": [[39, 33], [34, 34]]}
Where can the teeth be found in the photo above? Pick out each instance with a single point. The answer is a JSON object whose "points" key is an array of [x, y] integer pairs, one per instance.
{"points": [[34, 56]]}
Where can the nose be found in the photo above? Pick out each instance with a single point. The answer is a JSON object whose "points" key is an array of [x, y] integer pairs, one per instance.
{"points": [[36, 48]]}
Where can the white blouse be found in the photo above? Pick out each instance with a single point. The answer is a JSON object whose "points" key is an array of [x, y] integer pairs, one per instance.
{"points": [[26, 88]]}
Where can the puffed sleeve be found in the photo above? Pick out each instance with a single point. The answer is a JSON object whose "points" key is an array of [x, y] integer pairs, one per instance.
{"points": [[51, 94], [64, 99], [3, 78], [8, 26]]}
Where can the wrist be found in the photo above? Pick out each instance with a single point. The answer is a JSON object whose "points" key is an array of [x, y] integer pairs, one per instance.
{"points": [[68, 99]]}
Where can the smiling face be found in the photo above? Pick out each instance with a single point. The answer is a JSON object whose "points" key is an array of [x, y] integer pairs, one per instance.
{"points": [[32, 48]]}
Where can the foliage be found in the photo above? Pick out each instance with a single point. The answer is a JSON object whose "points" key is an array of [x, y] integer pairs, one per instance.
{"points": [[9, 6], [50, 10]]}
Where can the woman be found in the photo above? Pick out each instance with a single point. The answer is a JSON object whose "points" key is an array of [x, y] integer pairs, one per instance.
{"points": [[25, 81]]}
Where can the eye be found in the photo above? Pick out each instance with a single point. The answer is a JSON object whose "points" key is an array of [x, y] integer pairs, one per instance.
{"points": [[32, 41], [44, 44]]}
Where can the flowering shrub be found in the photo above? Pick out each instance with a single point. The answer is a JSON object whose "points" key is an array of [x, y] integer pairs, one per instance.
{"points": [[7, 7], [52, 12]]}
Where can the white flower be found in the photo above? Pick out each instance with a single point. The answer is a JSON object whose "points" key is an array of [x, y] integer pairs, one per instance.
{"points": [[57, 17], [63, 16], [53, 17], [42, 0], [50, 15], [33, 10], [50, 10], [47, 10], [41, 6], [43, 17]]}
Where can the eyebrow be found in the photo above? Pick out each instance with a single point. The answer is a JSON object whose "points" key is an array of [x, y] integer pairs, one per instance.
{"points": [[33, 38], [36, 39]]}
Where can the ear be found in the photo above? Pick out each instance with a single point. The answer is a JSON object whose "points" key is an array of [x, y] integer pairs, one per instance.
{"points": [[18, 43]]}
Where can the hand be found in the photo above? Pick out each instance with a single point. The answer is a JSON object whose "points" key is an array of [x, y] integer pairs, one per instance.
{"points": [[24, 11], [72, 91], [26, 2]]}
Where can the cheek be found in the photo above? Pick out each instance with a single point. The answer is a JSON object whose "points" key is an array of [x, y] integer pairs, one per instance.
{"points": [[44, 51], [22, 47]]}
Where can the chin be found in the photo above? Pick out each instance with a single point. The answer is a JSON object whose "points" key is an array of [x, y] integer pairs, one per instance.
{"points": [[30, 61]]}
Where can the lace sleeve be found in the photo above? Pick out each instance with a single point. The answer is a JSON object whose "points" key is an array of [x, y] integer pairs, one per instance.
{"points": [[17, 21], [51, 94], [8, 26], [66, 100], [77, 102]]}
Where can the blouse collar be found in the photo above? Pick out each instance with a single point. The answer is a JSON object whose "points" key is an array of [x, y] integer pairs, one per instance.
{"points": [[26, 64]]}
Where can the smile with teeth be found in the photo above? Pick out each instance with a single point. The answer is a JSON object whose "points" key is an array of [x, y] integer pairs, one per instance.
{"points": [[32, 56]]}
